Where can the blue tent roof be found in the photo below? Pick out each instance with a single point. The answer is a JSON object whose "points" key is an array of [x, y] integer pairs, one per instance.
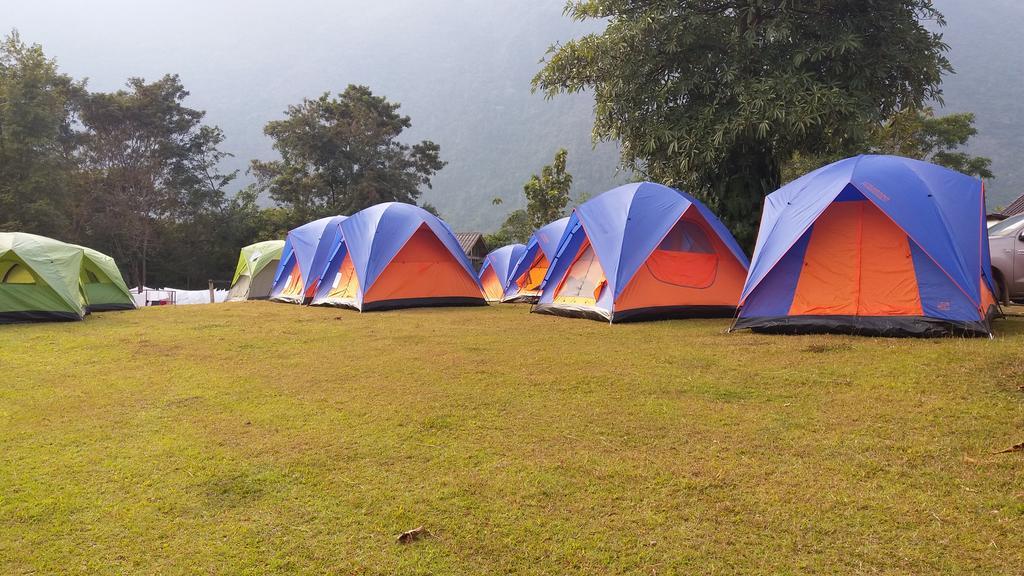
{"points": [[626, 224], [940, 210], [502, 261], [375, 235], [304, 243], [544, 239], [547, 237]]}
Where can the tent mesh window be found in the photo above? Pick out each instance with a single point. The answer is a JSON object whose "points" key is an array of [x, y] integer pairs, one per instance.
{"points": [[15, 273], [686, 257]]}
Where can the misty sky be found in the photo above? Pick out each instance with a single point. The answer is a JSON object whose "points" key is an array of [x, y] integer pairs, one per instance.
{"points": [[460, 68]]}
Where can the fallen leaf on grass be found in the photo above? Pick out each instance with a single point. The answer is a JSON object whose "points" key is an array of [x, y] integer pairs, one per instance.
{"points": [[1014, 448], [412, 535]]}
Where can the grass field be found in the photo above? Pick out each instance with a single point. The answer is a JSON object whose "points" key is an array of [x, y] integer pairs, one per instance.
{"points": [[266, 438]]}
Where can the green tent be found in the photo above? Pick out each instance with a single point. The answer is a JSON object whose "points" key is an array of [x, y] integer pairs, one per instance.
{"points": [[39, 279], [254, 275], [103, 284]]}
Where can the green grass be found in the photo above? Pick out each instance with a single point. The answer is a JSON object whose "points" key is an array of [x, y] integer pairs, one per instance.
{"points": [[266, 438]]}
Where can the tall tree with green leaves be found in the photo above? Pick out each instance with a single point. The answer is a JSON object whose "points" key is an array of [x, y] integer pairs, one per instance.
{"points": [[547, 194], [714, 96], [37, 105], [912, 133], [516, 229], [919, 133], [149, 163], [342, 154]]}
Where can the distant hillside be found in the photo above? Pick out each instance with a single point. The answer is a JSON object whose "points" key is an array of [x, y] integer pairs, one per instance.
{"points": [[460, 68], [985, 48]]}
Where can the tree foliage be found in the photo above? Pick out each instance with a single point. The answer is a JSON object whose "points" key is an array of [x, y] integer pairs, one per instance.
{"points": [[714, 96], [37, 106], [342, 154], [547, 196], [135, 172], [516, 229], [147, 161], [919, 133], [912, 133], [132, 173]]}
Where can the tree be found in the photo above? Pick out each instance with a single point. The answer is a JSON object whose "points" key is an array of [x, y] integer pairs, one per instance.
{"points": [[516, 229], [37, 106], [912, 133], [340, 155], [714, 96], [918, 133], [149, 167], [547, 195]]}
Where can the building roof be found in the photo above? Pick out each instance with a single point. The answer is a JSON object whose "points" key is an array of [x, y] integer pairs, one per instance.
{"points": [[1013, 208], [472, 243]]}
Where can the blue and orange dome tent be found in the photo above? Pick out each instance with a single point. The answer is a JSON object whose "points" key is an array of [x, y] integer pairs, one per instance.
{"points": [[875, 245], [302, 259], [497, 269], [529, 271], [644, 251], [396, 255]]}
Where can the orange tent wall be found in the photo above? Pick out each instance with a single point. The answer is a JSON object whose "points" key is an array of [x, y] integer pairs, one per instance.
{"points": [[686, 278], [294, 286], [858, 263], [987, 298], [423, 268], [529, 281], [493, 290]]}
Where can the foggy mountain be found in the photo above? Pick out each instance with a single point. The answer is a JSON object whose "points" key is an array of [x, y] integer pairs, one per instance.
{"points": [[460, 68]]}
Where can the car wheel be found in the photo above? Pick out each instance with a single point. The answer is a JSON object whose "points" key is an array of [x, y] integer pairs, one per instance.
{"points": [[1001, 294]]}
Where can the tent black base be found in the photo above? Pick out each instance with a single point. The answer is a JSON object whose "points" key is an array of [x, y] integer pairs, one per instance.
{"points": [[674, 313], [36, 316], [109, 307], [887, 326], [442, 301], [520, 300], [637, 314], [286, 300]]}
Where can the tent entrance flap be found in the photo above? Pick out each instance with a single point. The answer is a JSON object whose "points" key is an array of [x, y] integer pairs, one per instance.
{"points": [[240, 289], [584, 281], [345, 285], [858, 263], [293, 288], [263, 282], [531, 280]]}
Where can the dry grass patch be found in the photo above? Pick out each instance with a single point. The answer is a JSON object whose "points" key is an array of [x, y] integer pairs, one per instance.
{"points": [[266, 438]]}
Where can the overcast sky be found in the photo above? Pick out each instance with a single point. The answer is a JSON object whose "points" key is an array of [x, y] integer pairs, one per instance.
{"points": [[461, 69]]}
